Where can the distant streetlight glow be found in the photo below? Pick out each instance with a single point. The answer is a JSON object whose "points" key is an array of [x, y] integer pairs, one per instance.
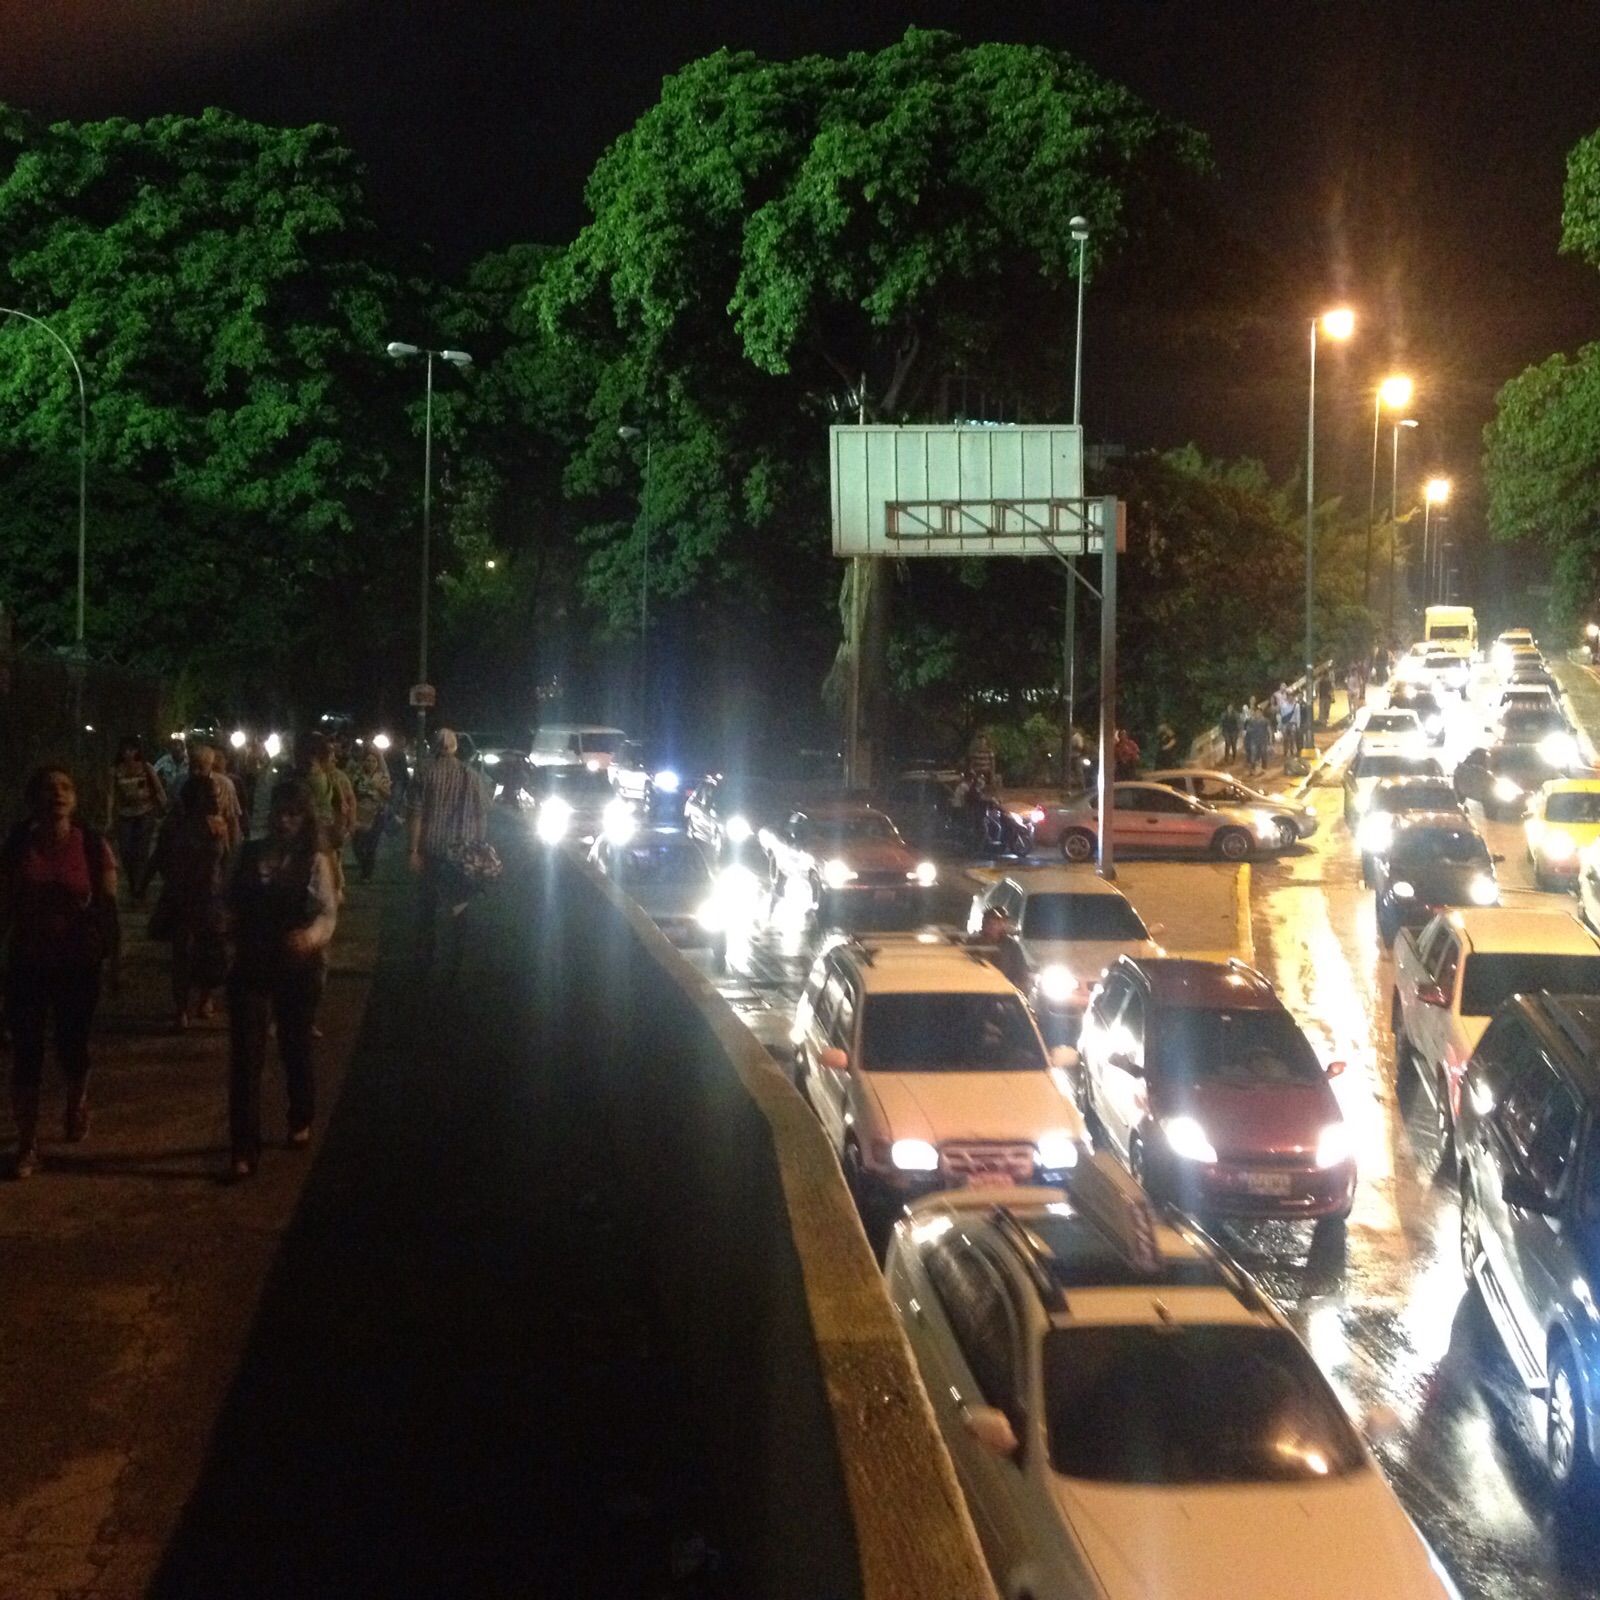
{"points": [[1395, 393], [1338, 324], [1438, 491], [1434, 493]]}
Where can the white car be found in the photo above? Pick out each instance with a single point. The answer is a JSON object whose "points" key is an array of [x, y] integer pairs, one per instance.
{"points": [[1393, 729], [927, 1071], [1449, 980], [1063, 927], [1129, 1416]]}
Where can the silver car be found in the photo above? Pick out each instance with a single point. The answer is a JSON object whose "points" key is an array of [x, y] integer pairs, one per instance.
{"points": [[1294, 819], [1151, 819]]}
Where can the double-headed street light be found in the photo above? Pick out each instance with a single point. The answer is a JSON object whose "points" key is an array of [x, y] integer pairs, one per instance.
{"points": [[1337, 325], [1435, 493], [1395, 393], [457, 358]]}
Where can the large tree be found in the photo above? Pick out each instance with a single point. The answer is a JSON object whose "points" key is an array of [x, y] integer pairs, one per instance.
{"points": [[1542, 450], [229, 298]]}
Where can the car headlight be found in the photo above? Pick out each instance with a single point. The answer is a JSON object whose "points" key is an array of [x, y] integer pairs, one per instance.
{"points": [[738, 829], [1056, 1151], [1559, 749], [666, 780], [555, 817], [1057, 984], [1434, 724], [738, 886], [1402, 890], [925, 873], [273, 745], [1334, 1145], [1186, 1138], [836, 873], [1559, 845], [1507, 789], [618, 821], [1376, 832], [491, 759], [1483, 890], [914, 1155], [1363, 799], [712, 916]]}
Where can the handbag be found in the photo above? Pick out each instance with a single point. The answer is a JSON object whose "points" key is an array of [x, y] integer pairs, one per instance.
{"points": [[475, 866]]}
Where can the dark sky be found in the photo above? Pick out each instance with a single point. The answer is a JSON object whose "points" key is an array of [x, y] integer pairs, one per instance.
{"points": [[1405, 156]]}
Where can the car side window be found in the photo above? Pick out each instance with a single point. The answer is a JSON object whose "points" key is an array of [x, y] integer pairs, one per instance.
{"points": [[1165, 801], [1110, 1000], [1446, 959], [842, 1029], [973, 1295], [1518, 1116], [1505, 1045], [1011, 902], [1427, 943], [1555, 1138], [828, 1005], [1131, 1025]]}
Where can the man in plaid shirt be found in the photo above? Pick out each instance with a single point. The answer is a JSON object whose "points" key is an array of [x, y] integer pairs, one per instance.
{"points": [[448, 811]]}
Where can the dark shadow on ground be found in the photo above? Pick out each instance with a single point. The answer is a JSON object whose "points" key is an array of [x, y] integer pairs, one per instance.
{"points": [[453, 1386]]}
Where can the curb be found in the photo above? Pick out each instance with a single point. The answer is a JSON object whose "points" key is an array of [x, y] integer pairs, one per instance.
{"points": [[1244, 929]]}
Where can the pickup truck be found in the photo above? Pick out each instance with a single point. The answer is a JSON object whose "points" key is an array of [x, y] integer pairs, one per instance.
{"points": [[843, 852], [1450, 977]]}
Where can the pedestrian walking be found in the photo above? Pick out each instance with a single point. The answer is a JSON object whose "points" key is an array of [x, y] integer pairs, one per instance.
{"points": [[333, 800], [203, 764], [1166, 747], [1228, 725], [135, 800], [282, 910], [58, 900], [449, 812], [172, 765], [1355, 688], [373, 788], [1257, 731], [1324, 698], [1124, 757], [191, 856], [1288, 720]]}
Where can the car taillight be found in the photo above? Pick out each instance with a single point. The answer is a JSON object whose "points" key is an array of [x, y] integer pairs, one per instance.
{"points": [[1036, 815]]}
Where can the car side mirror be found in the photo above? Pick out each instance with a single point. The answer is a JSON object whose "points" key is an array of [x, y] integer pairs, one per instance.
{"points": [[1335, 1069], [1124, 1062], [1432, 994], [1525, 1194], [1156, 929], [1064, 1058], [834, 1059], [992, 1429]]}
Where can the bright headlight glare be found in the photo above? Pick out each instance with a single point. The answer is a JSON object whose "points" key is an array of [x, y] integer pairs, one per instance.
{"points": [[1559, 845], [273, 746], [1483, 891], [1057, 984], [491, 759], [1187, 1138], [914, 1155], [1402, 890], [237, 739], [1334, 1144], [1363, 800], [1057, 1150], [666, 780], [1507, 789], [1559, 749], [738, 885], [738, 829], [555, 816], [1376, 831], [711, 916], [618, 821], [380, 741], [926, 873], [1434, 724], [836, 873]]}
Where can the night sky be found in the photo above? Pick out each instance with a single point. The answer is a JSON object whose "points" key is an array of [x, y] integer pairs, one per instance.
{"points": [[1404, 158]]}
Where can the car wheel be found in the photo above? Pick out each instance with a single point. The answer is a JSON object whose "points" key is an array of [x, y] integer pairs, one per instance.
{"points": [[1232, 844], [1288, 834], [1444, 1127], [1329, 1236], [1571, 1467], [1078, 846]]}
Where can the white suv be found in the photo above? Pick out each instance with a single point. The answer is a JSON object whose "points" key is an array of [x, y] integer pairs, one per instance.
{"points": [[927, 1071]]}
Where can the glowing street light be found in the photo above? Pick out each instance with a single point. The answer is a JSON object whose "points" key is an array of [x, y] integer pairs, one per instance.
{"points": [[1435, 492], [1395, 393], [1339, 324]]}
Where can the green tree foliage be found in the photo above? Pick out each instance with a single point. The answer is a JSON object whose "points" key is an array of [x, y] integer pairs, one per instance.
{"points": [[1542, 449], [229, 299], [776, 245]]}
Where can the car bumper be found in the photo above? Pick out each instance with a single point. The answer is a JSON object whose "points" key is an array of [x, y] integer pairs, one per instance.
{"points": [[1265, 1189], [687, 933], [1566, 868]]}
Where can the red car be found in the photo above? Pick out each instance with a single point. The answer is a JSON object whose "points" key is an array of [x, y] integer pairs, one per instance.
{"points": [[1196, 1075]]}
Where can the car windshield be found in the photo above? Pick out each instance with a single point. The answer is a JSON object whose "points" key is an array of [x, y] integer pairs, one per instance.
{"points": [[1193, 1403], [836, 831], [1492, 978], [1370, 764], [1519, 720], [1392, 722], [948, 1033], [1080, 916], [660, 861], [1236, 1049], [1439, 847], [1579, 805], [1420, 701], [1434, 795], [577, 784], [1518, 761], [601, 744]]}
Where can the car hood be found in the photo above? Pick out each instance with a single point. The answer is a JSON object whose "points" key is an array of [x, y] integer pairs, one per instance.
{"points": [[1280, 1120], [1085, 959], [669, 899], [868, 857], [937, 1106], [1440, 886], [1315, 1541]]}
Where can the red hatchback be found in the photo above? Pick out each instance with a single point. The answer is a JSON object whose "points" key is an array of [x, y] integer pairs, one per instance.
{"points": [[1196, 1075]]}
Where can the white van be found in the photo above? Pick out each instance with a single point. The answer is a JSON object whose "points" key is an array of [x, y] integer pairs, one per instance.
{"points": [[576, 744]]}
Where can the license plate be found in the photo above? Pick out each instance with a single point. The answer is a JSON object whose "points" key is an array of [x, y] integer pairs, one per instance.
{"points": [[999, 1179], [1273, 1183], [883, 896]]}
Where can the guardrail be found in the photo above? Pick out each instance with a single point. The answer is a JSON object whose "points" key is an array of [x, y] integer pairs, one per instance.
{"points": [[833, 1478]]}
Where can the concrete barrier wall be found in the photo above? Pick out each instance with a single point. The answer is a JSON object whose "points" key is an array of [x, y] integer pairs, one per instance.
{"points": [[834, 1481]]}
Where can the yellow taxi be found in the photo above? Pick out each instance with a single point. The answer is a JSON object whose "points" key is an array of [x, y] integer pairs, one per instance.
{"points": [[1564, 817]]}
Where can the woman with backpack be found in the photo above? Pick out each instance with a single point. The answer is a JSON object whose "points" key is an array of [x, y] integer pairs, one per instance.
{"points": [[58, 901]]}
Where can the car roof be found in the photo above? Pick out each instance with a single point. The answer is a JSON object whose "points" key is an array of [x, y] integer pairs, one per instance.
{"points": [[839, 811], [1443, 821], [1063, 880], [1573, 786], [1506, 930], [922, 964], [1409, 780], [1189, 981], [1574, 1021]]}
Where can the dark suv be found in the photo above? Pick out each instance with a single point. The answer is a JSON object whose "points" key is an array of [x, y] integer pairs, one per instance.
{"points": [[1528, 1144], [1202, 1082]]}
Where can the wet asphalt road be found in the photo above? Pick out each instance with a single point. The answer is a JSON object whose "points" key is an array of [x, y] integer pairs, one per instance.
{"points": [[1388, 1318]]}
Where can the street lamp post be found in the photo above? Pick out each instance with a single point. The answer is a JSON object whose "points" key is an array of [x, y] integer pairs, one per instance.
{"points": [[1069, 632], [629, 435], [1434, 494], [1395, 393], [1394, 513], [1337, 325], [457, 358]]}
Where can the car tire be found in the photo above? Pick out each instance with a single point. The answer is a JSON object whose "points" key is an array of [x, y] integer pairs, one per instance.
{"points": [[1078, 846], [1329, 1236], [1288, 834], [1444, 1126], [1231, 844], [1568, 1459]]}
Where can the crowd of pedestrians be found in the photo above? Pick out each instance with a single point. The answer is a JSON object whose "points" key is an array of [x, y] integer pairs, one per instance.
{"points": [[248, 918]]}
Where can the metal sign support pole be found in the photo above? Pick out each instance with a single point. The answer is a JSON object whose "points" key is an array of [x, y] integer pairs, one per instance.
{"points": [[1069, 672], [852, 745], [1108, 681]]}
